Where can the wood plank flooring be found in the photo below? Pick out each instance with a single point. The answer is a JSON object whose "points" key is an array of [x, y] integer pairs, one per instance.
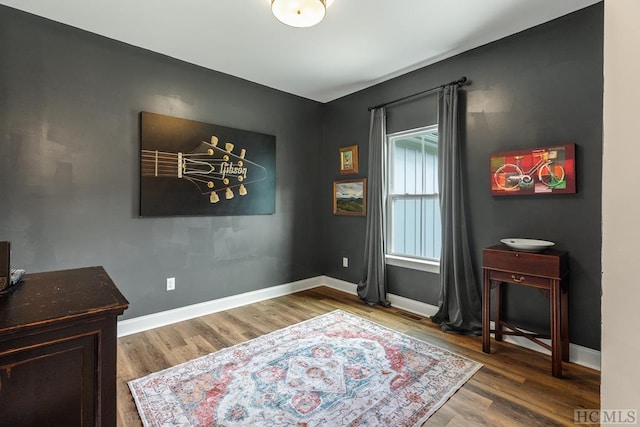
{"points": [[513, 388]]}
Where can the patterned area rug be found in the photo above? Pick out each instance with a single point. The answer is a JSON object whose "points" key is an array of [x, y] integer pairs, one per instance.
{"points": [[333, 370]]}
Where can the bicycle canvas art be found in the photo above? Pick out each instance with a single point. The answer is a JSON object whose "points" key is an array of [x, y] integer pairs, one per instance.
{"points": [[542, 170]]}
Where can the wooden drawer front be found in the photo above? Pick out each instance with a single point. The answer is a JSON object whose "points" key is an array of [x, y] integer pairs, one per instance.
{"points": [[527, 263], [520, 279]]}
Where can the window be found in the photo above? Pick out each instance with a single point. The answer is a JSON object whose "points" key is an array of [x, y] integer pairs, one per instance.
{"points": [[413, 207]]}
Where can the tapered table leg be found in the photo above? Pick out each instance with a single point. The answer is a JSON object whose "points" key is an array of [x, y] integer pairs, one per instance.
{"points": [[556, 341], [497, 309], [486, 309], [564, 319]]}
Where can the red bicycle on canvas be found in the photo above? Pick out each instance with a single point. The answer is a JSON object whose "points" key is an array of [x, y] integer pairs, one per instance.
{"points": [[511, 177]]}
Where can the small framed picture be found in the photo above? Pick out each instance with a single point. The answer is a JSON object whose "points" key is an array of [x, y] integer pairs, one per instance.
{"points": [[349, 160], [350, 197]]}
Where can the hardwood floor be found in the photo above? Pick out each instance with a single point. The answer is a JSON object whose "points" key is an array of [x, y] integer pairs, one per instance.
{"points": [[513, 388]]}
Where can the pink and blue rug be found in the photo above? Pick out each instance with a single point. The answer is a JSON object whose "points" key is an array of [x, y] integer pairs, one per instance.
{"points": [[333, 370]]}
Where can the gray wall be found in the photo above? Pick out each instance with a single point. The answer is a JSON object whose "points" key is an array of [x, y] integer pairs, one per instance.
{"points": [[539, 87], [69, 172], [69, 141]]}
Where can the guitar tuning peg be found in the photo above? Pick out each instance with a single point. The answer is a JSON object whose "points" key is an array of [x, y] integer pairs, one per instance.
{"points": [[242, 191], [213, 197], [242, 153], [228, 146], [214, 140], [228, 194]]}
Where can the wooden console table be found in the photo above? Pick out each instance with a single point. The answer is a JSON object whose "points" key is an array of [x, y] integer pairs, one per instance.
{"points": [[548, 271], [58, 349]]}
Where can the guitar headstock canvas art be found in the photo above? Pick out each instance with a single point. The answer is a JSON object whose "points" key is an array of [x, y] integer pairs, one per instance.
{"points": [[194, 168]]}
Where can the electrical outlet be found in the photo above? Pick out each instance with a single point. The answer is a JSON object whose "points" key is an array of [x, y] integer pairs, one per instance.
{"points": [[171, 283], [345, 262]]}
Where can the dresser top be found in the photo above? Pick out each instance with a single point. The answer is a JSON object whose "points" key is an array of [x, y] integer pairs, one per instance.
{"points": [[43, 298]]}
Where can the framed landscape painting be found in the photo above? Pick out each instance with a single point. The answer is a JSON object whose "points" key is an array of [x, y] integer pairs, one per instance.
{"points": [[350, 197], [542, 170]]}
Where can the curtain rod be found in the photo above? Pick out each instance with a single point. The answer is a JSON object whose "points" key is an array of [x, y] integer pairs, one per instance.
{"points": [[461, 81]]}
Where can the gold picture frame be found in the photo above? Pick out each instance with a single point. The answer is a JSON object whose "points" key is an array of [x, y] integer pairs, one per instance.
{"points": [[350, 197], [349, 160]]}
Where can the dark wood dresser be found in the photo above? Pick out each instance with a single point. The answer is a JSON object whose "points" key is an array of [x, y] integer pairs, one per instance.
{"points": [[58, 340]]}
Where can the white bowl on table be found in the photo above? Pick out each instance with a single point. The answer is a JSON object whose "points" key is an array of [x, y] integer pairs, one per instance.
{"points": [[527, 245]]}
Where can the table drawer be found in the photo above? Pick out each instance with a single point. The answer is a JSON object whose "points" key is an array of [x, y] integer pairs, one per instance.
{"points": [[553, 264], [520, 279]]}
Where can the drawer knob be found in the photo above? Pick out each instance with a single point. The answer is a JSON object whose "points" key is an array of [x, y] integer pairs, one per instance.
{"points": [[516, 279]]}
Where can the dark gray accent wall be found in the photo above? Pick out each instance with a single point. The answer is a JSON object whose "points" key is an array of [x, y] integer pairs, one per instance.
{"points": [[539, 87], [69, 175], [69, 141]]}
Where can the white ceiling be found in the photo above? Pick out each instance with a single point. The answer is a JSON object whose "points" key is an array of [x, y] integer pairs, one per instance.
{"points": [[359, 43]]}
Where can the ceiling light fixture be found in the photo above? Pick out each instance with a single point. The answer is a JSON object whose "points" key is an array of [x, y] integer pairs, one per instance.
{"points": [[299, 13]]}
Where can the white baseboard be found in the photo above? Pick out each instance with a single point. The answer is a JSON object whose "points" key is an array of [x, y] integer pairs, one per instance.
{"points": [[577, 354], [403, 303], [338, 284], [163, 318]]}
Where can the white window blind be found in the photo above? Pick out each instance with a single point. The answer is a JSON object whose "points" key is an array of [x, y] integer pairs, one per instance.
{"points": [[413, 209]]}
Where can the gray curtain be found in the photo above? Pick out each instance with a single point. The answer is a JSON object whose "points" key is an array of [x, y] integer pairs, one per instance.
{"points": [[373, 287], [459, 307]]}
